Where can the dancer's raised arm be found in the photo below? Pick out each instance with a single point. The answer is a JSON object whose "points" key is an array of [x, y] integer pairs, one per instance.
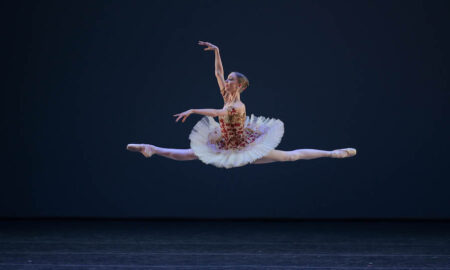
{"points": [[207, 112], [217, 64]]}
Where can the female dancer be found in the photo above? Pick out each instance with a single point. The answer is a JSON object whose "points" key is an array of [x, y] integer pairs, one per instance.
{"points": [[237, 139]]}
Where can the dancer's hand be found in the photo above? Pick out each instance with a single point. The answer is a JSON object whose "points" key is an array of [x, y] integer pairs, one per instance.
{"points": [[184, 115], [210, 46]]}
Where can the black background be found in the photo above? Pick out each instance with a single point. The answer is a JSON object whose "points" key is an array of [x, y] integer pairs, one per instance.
{"points": [[82, 79]]}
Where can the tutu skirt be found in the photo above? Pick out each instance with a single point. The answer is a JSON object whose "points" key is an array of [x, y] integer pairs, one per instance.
{"points": [[207, 132]]}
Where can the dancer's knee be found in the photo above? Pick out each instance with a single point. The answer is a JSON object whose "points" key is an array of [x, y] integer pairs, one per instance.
{"points": [[175, 154], [290, 156], [293, 155], [185, 154]]}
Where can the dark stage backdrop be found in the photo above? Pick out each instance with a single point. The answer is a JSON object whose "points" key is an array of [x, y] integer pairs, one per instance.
{"points": [[82, 79]]}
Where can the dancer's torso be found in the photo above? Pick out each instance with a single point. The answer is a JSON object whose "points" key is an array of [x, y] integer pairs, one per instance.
{"points": [[234, 134]]}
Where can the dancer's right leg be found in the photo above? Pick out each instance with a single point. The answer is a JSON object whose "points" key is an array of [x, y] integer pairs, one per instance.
{"points": [[148, 150], [298, 154]]}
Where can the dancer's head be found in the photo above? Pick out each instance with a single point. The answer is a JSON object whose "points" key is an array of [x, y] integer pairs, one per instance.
{"points": [[236, 82]]}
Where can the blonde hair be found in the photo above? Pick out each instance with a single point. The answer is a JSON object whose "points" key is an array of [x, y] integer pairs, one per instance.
{"points": [[242, 80]]}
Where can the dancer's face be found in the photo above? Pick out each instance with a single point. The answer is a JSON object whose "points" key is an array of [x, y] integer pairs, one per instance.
{"points": [[232, 84]]}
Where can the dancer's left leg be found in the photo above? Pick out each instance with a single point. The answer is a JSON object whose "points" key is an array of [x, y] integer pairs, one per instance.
{"points": [[177, 154], [282, 156]]}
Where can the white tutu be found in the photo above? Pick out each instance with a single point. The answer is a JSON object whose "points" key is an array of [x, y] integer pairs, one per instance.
{"points": [[207, 130]]}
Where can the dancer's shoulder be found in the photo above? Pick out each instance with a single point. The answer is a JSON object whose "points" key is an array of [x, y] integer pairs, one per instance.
{"points": [[240, 105], [236, 106]]}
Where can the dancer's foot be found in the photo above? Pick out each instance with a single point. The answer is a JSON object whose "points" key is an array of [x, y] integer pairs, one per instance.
{"points": [[343, 153], [146, 149]]}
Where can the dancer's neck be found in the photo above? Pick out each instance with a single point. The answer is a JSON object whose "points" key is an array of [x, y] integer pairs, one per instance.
{"points": [[234, 98]]}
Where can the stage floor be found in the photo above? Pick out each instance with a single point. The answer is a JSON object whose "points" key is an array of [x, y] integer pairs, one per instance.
{"points": [[134, 244]]}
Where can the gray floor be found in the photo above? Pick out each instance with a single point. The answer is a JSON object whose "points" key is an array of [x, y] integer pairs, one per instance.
{"points": [[113, 244]]}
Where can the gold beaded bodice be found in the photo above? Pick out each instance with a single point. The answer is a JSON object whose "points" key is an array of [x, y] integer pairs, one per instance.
{"points": [[234, 133]]}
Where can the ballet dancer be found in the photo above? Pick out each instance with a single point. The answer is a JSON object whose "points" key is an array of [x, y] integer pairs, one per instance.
{"points": [[236, 140]]}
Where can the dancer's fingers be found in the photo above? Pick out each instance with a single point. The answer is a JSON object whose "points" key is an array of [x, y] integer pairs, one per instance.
{"points": [[205, 43]]}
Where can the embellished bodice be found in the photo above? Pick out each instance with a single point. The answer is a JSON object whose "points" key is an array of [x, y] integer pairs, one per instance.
{"points": [[235, 139], [234, 133]]}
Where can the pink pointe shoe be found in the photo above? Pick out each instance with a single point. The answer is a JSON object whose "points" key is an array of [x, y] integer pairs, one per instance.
{"points": [[343, 153], [145, 149]]}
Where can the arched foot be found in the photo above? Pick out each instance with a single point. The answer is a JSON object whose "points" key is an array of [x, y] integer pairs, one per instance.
{"points": [[343, 153], [145, 149]]}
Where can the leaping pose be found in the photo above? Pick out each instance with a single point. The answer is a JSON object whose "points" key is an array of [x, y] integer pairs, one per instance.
{"points": [[237, 139]]}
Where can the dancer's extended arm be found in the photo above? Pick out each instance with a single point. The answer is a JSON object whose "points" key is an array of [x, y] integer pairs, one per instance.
{"points": [[207, 112], [218, 68], [210, 112]]}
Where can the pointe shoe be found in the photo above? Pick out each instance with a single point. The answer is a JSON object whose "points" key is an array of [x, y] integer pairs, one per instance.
{"points": [[145, 149], [343, 153]]}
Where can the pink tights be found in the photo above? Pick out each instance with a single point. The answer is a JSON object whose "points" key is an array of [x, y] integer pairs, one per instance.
{"points": [[273, 156]]}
